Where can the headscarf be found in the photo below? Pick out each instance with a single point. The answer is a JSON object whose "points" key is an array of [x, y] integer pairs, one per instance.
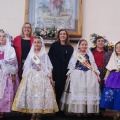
{"points": [[6, 65], [73, 60], [45, 61], [113, 62], [7, 48]]}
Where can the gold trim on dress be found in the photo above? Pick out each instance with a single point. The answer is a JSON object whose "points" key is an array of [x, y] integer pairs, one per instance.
{"points": [[14, 108]]}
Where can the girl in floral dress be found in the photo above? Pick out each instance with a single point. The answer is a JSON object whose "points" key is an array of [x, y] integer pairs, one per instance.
{"points": [[8, 73], [82, 87], [35, 94], [111, 95]]}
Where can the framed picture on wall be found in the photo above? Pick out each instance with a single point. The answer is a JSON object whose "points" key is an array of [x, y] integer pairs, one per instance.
{"points": [[55, 13]]}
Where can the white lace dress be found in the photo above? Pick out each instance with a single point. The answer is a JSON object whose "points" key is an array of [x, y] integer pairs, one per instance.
{"points": [[81, 95], [35, 93]]}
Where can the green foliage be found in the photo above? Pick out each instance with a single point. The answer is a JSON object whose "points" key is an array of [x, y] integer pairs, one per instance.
{"points": [[108, 45]]}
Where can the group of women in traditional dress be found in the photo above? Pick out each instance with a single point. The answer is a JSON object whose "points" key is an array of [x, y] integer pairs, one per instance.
{"points": [[79, 80]]}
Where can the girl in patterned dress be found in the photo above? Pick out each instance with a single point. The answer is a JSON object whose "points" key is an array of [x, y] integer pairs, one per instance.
{"points": [[35, 94], [82, 87], [111, 95], [8, 73]]}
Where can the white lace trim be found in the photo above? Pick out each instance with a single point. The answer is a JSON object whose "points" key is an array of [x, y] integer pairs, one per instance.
{"points": [[85, 98]]}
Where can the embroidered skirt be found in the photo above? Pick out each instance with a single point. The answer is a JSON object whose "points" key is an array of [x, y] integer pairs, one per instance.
{"points": [[35, 94], [81, 95], [111, 95]]}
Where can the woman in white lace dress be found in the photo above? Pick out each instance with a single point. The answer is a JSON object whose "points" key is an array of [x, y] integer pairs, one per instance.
{"points": [[35, 94], [82, 85]]}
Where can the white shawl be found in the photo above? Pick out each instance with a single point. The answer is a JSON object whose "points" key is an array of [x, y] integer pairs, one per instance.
{"points": [[44, 59], [7, 68], [73, 60], [112, 64]]}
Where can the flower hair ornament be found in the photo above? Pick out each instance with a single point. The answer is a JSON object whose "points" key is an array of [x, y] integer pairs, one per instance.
{"points": [[108, 44], [94, 36]]}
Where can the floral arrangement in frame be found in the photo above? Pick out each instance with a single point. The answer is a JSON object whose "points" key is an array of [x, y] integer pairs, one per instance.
{"points": [[48, 13], [108, 44]]}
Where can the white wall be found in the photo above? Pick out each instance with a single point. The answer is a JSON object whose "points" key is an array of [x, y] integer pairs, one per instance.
{"points": [[99, 16], [12, 15]]}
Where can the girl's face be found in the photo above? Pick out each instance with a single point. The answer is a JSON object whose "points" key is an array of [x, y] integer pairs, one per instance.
{"points": [[37, 44], [83, 46], [62, 36], [26, 29], [117, 49], [2, 38], [100, 43]]}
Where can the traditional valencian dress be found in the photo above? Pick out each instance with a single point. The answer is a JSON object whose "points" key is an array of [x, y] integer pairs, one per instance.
{"points": [[111, 95], [82, 92], [35, 93], [8, 67]]}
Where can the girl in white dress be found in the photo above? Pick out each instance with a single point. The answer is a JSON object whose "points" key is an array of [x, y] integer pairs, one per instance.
{"points": [[9, 80], [82, 85], [35, 94]]}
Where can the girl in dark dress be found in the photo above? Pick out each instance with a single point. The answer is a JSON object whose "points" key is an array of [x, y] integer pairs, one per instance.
{"points": [[60, 53]]}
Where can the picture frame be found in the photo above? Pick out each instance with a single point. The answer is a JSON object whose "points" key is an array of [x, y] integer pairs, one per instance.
{"points": [[40, 14]]}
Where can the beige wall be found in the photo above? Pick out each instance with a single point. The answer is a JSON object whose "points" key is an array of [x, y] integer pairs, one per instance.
{"points": [[99, 16], [12, 15]]}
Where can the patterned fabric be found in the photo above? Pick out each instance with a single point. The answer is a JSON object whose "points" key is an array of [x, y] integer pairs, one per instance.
{"points": [[7, 88], [8, 75], [80, 66], [35, 94], [111, 95], [34, 66], [7, 100], [110, 98], [82, 94], [43, 58]]}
